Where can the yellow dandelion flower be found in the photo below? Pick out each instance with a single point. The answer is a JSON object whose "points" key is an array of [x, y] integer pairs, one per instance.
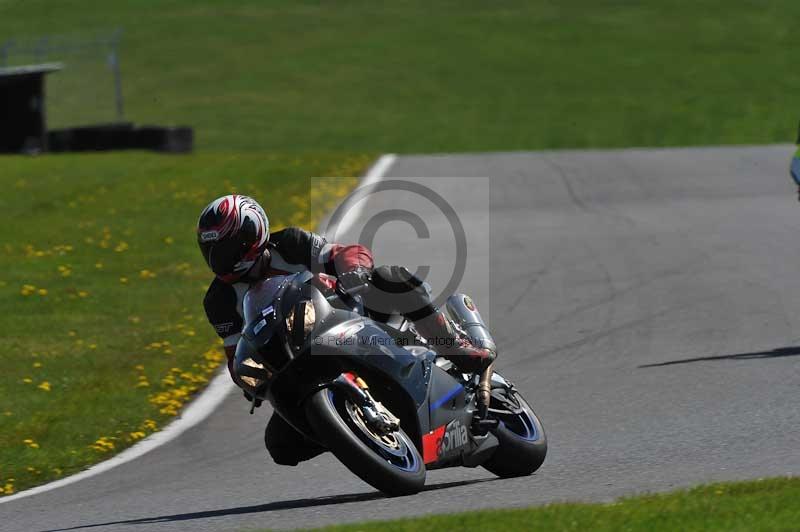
{"points": [[123, 280], [37, 364], [149, 424], [169, 240], [121, 246], [103, 444], [139, 367], [134, 319], [92, 346], [44, 385], [27, 380], [142, 384], [136, 435], [83, 293], [42, 291], [98, 265]]}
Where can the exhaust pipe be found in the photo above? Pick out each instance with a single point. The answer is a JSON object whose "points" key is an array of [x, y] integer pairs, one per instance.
{"points": [[463, 312]]}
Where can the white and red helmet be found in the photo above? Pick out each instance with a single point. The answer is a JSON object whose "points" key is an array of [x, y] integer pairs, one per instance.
{"points": [[232, 232]]}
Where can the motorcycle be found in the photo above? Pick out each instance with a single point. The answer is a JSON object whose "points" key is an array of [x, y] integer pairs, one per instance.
{"points": [[375, 394]]}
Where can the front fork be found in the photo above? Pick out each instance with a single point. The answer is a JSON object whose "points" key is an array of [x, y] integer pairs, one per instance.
{"points": [[377, 416]]}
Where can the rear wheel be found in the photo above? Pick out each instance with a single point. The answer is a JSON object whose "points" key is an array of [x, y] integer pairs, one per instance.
{"points": [[523, 444], [389, 462]]}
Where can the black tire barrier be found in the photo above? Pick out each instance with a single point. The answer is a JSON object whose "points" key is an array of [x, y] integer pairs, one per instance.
{"points": [[121, 136]]}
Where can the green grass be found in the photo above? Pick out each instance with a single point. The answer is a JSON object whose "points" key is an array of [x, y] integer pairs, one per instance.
{"points": [[416, 76], [101, 288], [744, 506]]}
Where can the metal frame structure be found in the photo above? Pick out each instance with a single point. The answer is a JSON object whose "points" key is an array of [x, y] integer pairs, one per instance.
{"points": [[39, 49]]}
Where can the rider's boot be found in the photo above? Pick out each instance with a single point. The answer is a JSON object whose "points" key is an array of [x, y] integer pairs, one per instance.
{"points": [[442, 336]]}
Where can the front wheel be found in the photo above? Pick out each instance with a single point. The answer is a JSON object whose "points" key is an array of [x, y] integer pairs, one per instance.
{"points": [[523, 444], [390, 462]]}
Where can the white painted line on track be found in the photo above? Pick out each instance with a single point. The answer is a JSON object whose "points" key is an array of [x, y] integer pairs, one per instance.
{"points": [[197, 411], [373, 175], [209, 399]]}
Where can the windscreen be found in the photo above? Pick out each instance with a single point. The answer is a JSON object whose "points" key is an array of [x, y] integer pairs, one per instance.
{"points": [[263, 295]]}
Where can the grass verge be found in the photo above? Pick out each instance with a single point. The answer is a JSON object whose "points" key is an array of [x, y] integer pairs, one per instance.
{"points": [[737, 506], [418, 76], [101, 290]]}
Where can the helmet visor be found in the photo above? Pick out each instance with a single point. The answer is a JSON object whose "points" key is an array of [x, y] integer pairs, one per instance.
{"points": [[223, 256]]}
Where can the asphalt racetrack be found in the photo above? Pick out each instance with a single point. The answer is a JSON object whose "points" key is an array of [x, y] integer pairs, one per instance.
{"points": [[646, 302]]}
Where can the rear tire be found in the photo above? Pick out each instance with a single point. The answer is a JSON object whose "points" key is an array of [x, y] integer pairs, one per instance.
{"points": [[394, 471], [523, 444]]}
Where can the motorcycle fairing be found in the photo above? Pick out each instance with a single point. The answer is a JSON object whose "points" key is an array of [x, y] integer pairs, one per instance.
{"points": [[447, 439], [443, 409], [361, 344]]}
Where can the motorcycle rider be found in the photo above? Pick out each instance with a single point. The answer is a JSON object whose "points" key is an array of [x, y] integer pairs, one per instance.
{"points": [[233, 235]]}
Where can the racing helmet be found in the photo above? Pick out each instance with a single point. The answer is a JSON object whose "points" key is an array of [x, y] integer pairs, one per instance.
{"points": [[232, 233]]}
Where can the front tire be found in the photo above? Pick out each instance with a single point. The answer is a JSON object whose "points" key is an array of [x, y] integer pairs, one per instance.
{"points": [[523, 444], [392, 463]]}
